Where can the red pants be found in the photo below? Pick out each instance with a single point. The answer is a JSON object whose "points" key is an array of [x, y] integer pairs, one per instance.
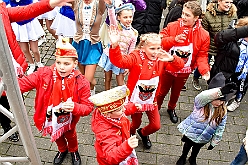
{"points": [[168, 81], [68, 141], [153, 126]]}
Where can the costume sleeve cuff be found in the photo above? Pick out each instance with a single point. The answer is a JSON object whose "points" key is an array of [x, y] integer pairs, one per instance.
{"points": [[110, 6]]}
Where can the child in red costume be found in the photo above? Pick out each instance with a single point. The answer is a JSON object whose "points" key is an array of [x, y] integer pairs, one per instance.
{"points": [[9, 15], [61, 98], [112, 128], [145, 66], [187, 39]]}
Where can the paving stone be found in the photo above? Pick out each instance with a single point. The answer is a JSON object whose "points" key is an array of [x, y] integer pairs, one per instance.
{"points": [[167, 145]]}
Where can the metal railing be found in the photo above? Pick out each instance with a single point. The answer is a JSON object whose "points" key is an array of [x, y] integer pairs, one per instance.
{"points": [[10, 84]]}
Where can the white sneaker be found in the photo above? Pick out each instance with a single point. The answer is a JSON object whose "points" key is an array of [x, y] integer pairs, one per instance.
{"points": [[31, 69], [39, 64], [41, 40], [234, 105], [93, 92]]}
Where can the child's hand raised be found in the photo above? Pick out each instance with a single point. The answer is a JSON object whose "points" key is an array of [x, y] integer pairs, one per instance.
{"points": [[164, 56], [68, 106], [114, 35], [133, 141]]}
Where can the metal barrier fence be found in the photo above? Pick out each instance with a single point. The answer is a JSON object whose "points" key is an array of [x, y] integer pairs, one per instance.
{"points": [[10, 84]]}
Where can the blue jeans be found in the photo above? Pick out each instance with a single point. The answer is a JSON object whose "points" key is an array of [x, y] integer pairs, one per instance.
{"points": [[241, 158]]}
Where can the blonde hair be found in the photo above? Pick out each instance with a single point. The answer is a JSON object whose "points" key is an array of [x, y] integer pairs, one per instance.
{"points": [[147, 38], [194, 7], [242, 22]]}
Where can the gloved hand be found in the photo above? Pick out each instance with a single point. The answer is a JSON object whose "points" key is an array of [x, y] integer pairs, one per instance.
{"points": [[210, 147], [228, 88]]}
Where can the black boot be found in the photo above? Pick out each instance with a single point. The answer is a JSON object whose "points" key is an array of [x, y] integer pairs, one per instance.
{"points": [[145, 139], [181, 160], [14, 137], [192, 161], [59, 158], [173, 115], [76, 160]]}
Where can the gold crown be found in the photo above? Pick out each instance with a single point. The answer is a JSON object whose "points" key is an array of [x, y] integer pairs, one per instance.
{"points": [[110, 100]]}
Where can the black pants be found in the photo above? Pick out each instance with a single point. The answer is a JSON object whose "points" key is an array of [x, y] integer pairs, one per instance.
{"points": [[187, 146], [4, 120]]}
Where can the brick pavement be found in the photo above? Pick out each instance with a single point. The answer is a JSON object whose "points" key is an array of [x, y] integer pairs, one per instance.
{"points": [[166, 142]]}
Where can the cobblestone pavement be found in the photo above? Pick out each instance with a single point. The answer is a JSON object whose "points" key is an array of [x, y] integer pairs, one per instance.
{"points": [[167, 145]]}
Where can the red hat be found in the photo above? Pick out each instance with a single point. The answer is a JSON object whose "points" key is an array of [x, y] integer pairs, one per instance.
{"points": [[65, 49]]}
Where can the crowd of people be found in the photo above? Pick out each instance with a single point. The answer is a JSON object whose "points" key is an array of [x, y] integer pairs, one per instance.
{"points": [[129, 42]]}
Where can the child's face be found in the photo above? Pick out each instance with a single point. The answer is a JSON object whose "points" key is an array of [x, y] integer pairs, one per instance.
{"points": [[188, 17], [117, 113], [217, 103], [65, 66], [152, 48], [126, 17]]}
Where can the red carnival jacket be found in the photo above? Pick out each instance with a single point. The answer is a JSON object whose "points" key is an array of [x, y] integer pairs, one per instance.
{"points": [[133, 62], [200, 39], [111, 147], [42, 81], [20, 13]]}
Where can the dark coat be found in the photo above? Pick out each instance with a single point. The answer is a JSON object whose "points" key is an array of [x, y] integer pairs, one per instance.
{"points": [[149, 20], [242, 7], [228, 51], [173, 14]]}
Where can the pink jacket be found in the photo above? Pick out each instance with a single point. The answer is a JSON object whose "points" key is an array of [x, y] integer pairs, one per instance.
{"points": [[42, 81]]}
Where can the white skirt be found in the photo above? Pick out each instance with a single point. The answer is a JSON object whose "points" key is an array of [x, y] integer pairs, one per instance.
{"points": [[64, 26], [49, 15], [30, 31]]}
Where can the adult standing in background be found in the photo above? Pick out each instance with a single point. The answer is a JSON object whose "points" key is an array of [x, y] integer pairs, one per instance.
{"points": [[175, 11], [231, 59], [218, 16], [242, 6], [148, 20]]}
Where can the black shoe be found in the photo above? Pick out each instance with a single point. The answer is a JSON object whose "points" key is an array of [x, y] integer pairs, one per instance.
{"points": [[14, 137], [59, 158], [181, 160], [145, 139], [173, 115], [184, 88], [76, 160], [192, 161]]}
